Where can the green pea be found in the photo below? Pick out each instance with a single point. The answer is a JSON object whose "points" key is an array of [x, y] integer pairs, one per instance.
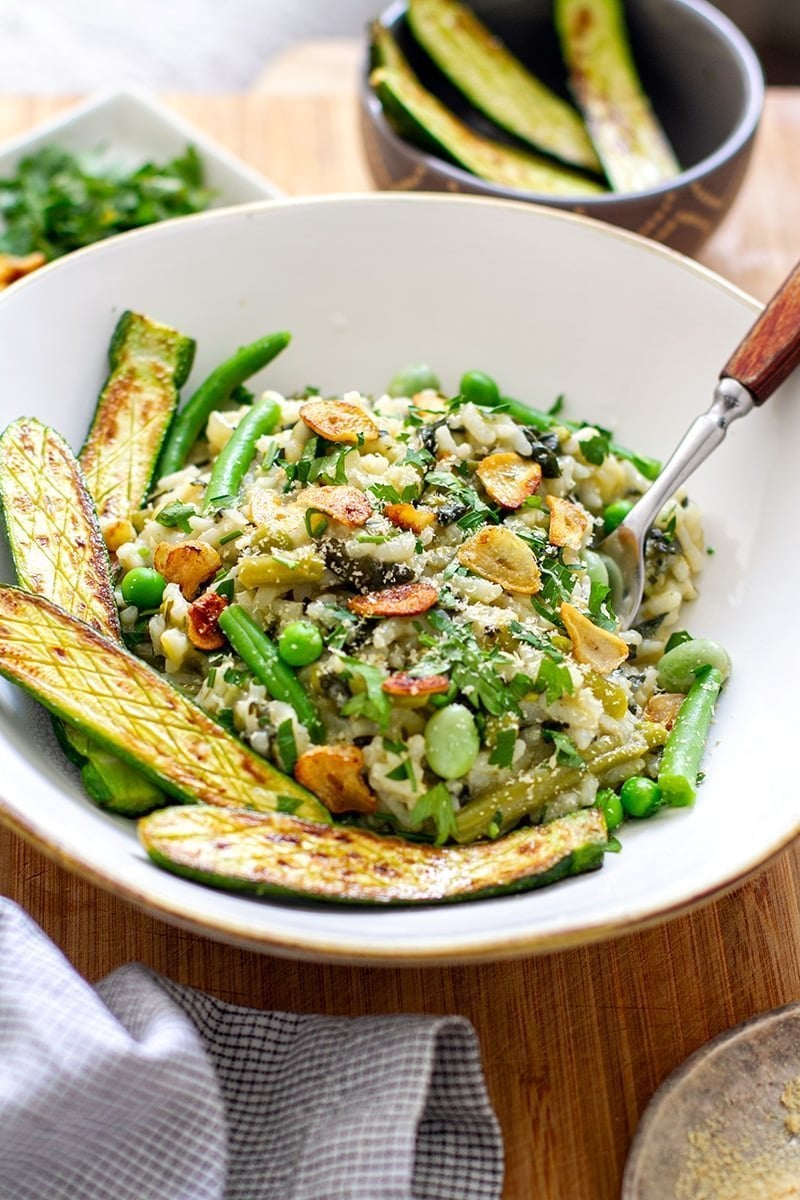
{"points": [[300, 643], [679, 666], [478, 388], [451, 741], [610, 806], [417, 378], [615, 580], [640, 796], [615, 513], [143, 587]]}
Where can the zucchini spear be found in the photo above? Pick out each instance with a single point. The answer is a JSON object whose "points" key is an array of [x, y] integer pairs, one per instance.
{"points": [[126, 707], [497, 83], [59, 553], [631, 144], [149, 362], [420, 116], [55, 541], [272, 855]]}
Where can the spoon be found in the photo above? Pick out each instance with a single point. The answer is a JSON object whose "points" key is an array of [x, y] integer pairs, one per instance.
{"points": [[765, 357]]}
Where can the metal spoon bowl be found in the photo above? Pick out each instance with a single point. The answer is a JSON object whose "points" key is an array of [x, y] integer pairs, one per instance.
{"points": [[764, 358]]}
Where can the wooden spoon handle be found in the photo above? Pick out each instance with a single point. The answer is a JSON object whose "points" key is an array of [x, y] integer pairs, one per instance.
{"points": [[770, 351]]}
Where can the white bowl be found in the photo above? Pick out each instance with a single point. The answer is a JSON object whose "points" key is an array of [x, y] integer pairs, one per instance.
{"points": [[548, 303]]}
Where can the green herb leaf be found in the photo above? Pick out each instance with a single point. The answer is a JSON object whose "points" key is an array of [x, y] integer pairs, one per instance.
{"points": [[566, 752], [58, 201], [176, 516], [554, 680], [595, 448], [372, 703], [437, 806], [287, 746], [600, 609], [503, 753]]}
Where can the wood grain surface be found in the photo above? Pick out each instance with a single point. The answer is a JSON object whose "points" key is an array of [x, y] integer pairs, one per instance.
{"points": [[574, 1043]]}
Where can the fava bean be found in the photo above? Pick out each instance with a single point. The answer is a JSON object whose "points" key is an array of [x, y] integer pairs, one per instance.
{"points": [[678, 668], [596, 567], [451, 741], [417, 378]]}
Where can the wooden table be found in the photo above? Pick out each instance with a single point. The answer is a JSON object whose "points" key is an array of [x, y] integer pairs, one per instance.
{"points": [[575, 1043]]}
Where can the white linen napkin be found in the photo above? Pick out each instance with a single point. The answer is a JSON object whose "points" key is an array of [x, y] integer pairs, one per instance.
{"points": [[141, 1089]]}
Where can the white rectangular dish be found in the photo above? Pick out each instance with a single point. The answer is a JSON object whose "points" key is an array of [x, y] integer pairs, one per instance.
{"points": [[135, 128]]}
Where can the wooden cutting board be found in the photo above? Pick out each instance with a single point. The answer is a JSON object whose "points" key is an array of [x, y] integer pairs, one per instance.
{"points": [[574, 1043]]}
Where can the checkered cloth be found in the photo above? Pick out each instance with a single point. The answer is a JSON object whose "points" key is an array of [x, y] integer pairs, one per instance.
{"points": [[142, 1089]]}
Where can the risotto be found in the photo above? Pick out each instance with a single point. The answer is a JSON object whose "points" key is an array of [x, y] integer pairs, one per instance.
{"points": [[418, 568]]}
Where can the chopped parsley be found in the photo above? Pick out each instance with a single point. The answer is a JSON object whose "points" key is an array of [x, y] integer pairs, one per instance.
{"points": [[317, 464], [58, 201], [390, 495], [600, 609], [372, 703], [595, 449], [287, 746], [437, 806], [502, 754], [554, 680], [476, 673], [472, 513], [176, 516], [404, 770], [566, 751]]}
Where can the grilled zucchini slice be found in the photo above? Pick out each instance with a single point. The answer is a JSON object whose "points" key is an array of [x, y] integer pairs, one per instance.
{"points": [[420, 116], [126, 707], [273, 855], [59, 553], [55, 541], [148, 363], [628, 137], [497, 83]]}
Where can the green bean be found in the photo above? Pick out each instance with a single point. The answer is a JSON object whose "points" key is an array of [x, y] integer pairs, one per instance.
{"points": [[238, 453], [191, 420], [260, 656], [451, 742], [677, 669], [507, 805], [683, 750], [649, 467], [522, 798]]}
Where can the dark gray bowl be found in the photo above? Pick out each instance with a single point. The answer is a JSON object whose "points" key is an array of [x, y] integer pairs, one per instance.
{"points": [[702, 77]]}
